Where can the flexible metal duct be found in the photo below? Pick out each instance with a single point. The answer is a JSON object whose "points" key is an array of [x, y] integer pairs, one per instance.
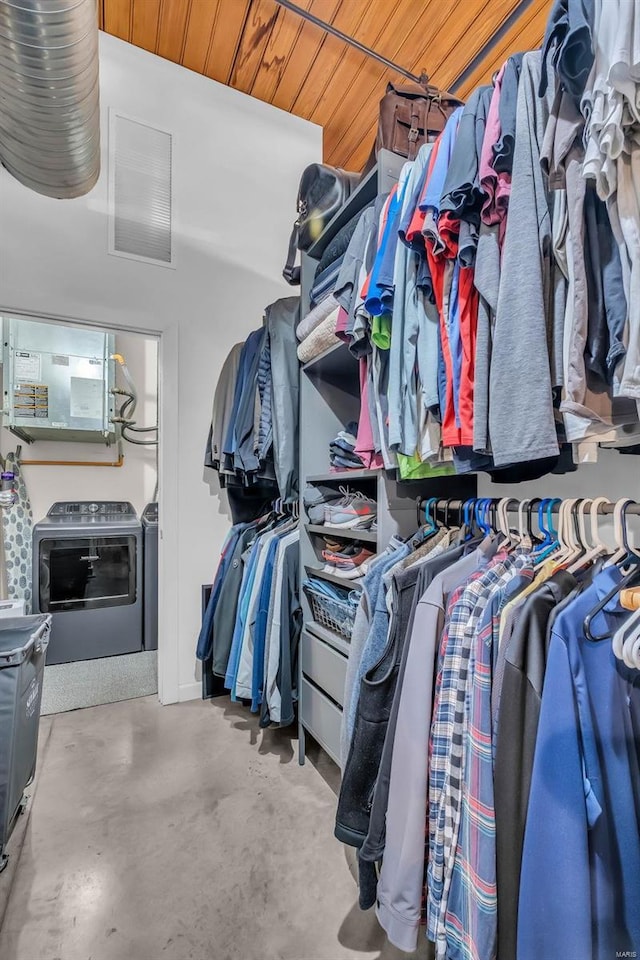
{"points": [[49, 96]]}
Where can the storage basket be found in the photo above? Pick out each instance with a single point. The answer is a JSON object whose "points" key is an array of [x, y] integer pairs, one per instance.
{"points": [[23, 645], [336, 615]]}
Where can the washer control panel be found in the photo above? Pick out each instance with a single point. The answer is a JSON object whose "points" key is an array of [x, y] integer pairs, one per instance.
{"points": [[89, 508]]}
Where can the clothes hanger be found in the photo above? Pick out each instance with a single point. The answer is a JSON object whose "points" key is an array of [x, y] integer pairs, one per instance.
{"points": [[454, 504], [467, 519], [620, 533], [550, 530], [501, 526], [588, 620], [534, 503], [430, 526], [524, 539], [537, 539], [503, 522], [634, 655], [493, 512], [553, 538], [481, 515], [473, 523], [620, 527], [431, 520], [625, 637], [574, 532], [583, 544], [489, 515], [570, 548], [546, 541], [626, 641], [549, 542], [599, 548]]}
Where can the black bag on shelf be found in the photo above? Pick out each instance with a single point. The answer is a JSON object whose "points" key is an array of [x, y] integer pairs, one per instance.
{"points": [[322, 192]]}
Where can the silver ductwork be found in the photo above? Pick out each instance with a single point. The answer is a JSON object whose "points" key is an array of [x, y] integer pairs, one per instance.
{"points": [[49, 96]]}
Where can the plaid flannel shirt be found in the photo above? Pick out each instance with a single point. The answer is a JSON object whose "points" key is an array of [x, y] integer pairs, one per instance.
{"points": [[465, 611], [470, 925]]}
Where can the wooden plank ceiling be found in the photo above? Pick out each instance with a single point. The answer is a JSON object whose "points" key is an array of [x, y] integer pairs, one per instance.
{"points": [[271, 53]]}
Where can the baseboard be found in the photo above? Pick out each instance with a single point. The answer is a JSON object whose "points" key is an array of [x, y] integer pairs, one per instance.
{"points": [[189, 691]]}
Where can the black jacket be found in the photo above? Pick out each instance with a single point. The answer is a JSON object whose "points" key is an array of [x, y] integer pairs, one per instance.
{"points": [[526, 658]]}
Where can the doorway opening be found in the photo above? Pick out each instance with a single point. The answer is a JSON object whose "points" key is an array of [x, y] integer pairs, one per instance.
{"points": [[80, 432]]}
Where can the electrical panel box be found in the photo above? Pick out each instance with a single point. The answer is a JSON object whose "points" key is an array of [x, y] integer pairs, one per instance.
{"points": [[57, 382]]}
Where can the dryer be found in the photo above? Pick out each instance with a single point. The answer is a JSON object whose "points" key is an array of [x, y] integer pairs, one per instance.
{"points": [[87, 573]]}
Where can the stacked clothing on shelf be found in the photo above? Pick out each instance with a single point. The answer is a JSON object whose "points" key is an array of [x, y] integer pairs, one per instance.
{"points": [[342, 450], [490, 750], [330, 263], [316, 331], [322, 335], [489, 297], [251, 627], [253, 437], [324, 282]]}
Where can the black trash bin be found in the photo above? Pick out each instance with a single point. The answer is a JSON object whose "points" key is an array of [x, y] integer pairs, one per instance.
{"points": [[23, 647]]}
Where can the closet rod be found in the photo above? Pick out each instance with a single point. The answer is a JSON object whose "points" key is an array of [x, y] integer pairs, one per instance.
{"points": [[512, 507], [329, 28]]}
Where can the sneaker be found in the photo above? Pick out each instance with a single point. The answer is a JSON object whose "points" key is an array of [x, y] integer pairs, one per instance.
{"points": [[315, 497], [342, 495], [334, 544], [357, 511], [352, 563]]}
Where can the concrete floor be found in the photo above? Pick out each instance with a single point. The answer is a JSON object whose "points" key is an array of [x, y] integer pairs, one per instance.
{"points": [[181, 833]]}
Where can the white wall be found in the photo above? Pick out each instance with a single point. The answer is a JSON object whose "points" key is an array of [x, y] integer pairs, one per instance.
{"points": [[614, 476], [134, 481], [237, 164]]}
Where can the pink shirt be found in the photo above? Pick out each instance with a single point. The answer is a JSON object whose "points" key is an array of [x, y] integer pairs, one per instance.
{"points": [[497, 186], [365, 447], [342, 324]]}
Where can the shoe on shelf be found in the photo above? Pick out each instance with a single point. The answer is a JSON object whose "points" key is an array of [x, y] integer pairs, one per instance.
{"points": [[315, 498], [351, 563], [357, 510], [335, 544], [343, 495]]}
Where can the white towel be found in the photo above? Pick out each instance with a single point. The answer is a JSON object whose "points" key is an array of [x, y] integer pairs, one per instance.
{"points": [[319, 340], [317, 315]]}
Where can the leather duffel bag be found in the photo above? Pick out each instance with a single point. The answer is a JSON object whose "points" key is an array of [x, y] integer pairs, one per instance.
{"points": [[322, 191], [412, 114]]}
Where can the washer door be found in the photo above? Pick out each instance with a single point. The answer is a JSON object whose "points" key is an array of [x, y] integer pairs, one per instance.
{"points": [[86, 574]]}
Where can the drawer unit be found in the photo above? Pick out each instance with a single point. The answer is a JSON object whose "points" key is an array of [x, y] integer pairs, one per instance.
{"points": [[321, 718], [324, 665]]}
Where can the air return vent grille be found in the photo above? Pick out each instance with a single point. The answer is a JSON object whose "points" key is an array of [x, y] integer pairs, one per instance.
{"points": [[140, 195]]}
